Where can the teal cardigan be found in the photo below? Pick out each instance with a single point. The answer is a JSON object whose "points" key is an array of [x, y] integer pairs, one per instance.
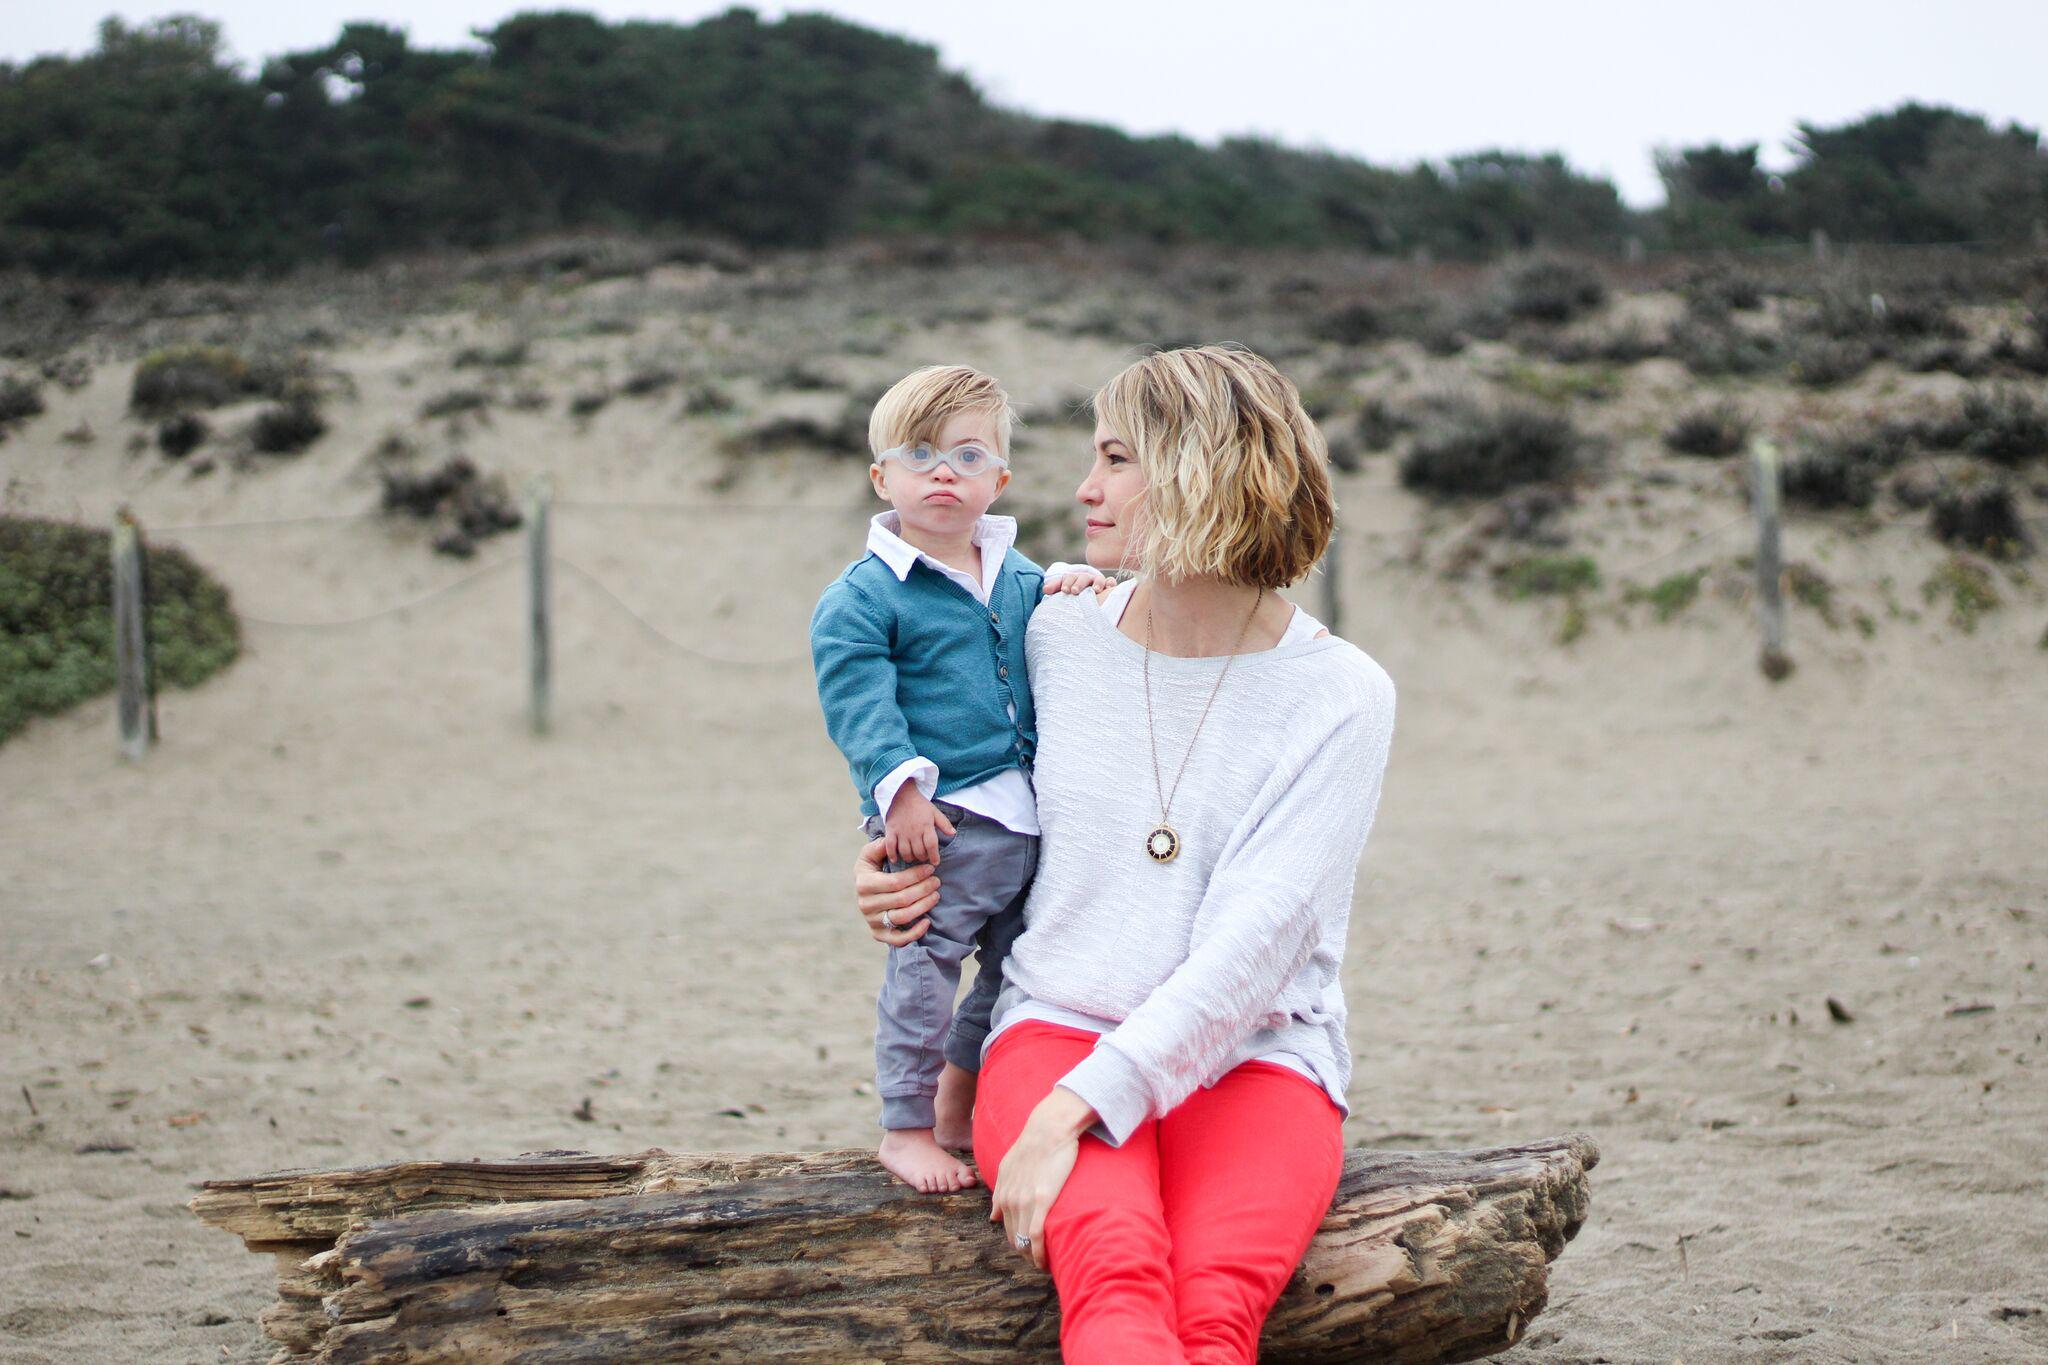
{"points": [[919, 666]]}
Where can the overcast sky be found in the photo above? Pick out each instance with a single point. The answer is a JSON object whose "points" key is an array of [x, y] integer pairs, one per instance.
{"points": [[1600, 81]]}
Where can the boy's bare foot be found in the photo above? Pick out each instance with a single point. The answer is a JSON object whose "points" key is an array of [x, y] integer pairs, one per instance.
{"points": [[955, 1103], [918, 1161]]}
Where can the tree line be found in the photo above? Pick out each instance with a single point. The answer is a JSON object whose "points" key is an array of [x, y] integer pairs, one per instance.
{"points": [[153, 154]]}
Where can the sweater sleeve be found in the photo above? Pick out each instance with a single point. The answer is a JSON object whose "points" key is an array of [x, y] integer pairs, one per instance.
{"points": [[1259, 921], [850, 652]]}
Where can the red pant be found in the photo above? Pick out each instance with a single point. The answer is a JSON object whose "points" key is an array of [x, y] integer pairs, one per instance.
{"points": [[1174, 1246]]}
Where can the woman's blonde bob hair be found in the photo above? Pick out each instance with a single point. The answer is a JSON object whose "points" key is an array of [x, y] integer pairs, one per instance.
{"points": [[1237, 477]]}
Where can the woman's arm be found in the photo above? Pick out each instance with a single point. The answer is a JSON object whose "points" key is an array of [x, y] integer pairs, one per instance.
{"points": [[1036, 1167], [1258, 924]]}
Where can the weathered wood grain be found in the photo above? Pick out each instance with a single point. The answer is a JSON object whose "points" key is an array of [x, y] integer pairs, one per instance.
{"points": [[658, 1256]]}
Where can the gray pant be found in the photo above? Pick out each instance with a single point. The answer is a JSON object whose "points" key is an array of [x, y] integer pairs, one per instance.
{"points": [[985, 869]]}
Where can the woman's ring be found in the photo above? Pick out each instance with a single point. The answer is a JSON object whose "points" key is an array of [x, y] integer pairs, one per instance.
{"points": [[888, 921], [1023, 1241]]}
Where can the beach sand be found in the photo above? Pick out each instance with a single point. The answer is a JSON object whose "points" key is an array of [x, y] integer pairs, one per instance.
{"points": [[351, 910]]}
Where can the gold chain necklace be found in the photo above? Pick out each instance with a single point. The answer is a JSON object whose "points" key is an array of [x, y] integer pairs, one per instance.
{"points": [[1162, 844]]}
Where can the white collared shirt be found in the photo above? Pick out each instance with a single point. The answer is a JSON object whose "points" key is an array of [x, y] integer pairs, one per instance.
{"points": [[1007, 797]]}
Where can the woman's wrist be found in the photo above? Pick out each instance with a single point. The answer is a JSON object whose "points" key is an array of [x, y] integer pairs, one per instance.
{"points": [[1065, 1113]]}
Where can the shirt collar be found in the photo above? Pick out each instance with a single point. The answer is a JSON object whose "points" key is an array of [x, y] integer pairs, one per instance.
{"points": [[993, 534]]}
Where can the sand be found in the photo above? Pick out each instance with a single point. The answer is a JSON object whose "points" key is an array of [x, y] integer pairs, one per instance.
{"points": [[351, 910]]}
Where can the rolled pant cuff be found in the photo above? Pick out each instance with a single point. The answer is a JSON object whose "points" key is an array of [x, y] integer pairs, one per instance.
{"points": [[963, 1045], [909, 1111]]}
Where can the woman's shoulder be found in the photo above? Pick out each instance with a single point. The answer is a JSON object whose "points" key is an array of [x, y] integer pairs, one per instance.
{"points": [[1343, 674]]}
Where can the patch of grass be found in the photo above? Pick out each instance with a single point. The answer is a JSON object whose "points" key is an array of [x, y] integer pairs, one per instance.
{"points": [[57, 618], [1623, 344], [1563, 384], [456, 401], [1548, 575], [1811, 588], [1671, 594], [492, 357], [1573, 623], [1967, 588], [649, 379], [1714, 430], [704, 400], [1466, 448]]}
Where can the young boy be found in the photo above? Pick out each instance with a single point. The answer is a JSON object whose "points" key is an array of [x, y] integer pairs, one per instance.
{"points": [[919, 652]]}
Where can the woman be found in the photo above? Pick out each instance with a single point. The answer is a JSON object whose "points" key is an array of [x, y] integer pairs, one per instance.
{"points": [[1162, 1090]]}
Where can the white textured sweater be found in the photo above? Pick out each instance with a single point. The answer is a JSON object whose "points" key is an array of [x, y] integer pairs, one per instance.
{"points": [[1231, 951]]}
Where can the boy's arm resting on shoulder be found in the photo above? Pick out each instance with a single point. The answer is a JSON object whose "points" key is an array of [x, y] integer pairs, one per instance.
{"points": [[1061, 576], [1257, 926], [850, 652]]}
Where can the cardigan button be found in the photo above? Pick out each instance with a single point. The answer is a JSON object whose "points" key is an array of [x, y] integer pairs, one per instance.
{"points": [[1003, 671], [996, 617]]}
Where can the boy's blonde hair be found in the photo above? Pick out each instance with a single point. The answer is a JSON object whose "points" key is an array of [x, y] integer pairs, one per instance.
{"points": [[917, 405], [1237, 479]]}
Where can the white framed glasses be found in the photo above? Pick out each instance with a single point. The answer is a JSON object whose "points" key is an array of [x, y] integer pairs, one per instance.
{"points": [[969, 459]]}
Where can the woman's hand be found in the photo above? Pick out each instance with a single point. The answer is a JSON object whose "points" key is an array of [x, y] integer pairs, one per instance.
{"points": [[1035, 1169], [906, 897]]}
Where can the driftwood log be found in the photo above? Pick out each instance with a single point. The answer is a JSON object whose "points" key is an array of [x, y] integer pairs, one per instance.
{"points": [[659, 1256]]}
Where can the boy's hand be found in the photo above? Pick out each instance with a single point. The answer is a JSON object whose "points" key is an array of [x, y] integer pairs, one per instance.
{"points": [[1079, 581], [914, 826]]}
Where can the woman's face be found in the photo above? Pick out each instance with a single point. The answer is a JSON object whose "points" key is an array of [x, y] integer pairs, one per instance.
{"points": [[1110, 493]]}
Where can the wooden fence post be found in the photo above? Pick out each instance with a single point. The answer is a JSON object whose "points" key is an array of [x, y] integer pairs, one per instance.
{"points": [[1770, 564], [1333, 597], [135, 702], [539, 626]]}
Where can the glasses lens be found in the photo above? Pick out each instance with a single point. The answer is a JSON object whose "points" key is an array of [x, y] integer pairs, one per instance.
{"points": [[970, 458], [919, 459]]}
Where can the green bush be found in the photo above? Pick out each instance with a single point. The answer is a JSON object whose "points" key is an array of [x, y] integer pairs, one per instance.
{"points": [[1550, 290], [57, 618], [1823, 362], [1712, 350], [20, 399], [1715, 430], [288, 428], [188, 377], [1841, 469], [1983, 516], [1466, 448], [1548, 575], [180, 434], [2005, 425]]}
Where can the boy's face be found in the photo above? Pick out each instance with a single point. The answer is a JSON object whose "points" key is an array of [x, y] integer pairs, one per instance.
{"points": [[939, 501]]}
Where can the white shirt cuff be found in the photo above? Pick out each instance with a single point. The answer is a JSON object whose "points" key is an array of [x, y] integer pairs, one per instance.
{"points": [[920, 768]]}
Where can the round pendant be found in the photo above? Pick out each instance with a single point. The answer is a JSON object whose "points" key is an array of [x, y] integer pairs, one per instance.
{"points": [[1162, 844]]}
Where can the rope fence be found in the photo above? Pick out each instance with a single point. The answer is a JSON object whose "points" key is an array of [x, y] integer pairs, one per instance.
{"points": [[137, 711]]}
